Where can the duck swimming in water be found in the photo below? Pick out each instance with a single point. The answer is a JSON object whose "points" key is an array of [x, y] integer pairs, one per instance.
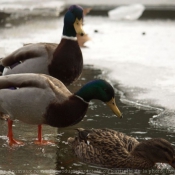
{"points": [[63, 61], [41, 99], [112, 149]]}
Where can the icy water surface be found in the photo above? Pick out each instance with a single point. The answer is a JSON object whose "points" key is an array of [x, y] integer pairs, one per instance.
{"points": [[59, 159], [141, 67]]}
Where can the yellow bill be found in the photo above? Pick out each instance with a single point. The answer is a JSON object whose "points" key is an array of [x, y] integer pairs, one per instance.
{"points": [[114, 108], [78, 25]]}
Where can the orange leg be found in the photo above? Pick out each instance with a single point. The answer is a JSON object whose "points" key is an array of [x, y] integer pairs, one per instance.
{"points": [[10, 135], [39, 133], [40, 141]]}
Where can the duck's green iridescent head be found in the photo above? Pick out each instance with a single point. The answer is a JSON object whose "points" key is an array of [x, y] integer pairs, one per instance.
{"points": [[73, 21], [101, 90]]}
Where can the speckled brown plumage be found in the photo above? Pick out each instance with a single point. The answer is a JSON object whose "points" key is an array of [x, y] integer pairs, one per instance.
{"points": [[112, 149]]}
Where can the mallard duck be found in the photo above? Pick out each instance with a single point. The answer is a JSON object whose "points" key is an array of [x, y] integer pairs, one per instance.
{"points": [[41, 99], [112, 149], [63, 61]]}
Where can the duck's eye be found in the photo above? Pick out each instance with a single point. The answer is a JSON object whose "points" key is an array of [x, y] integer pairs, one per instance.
{"points": [[77, 23]]}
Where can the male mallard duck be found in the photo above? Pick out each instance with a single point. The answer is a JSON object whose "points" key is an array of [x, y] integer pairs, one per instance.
{"points": [[41, 99], [112, 149], [63, 61]]}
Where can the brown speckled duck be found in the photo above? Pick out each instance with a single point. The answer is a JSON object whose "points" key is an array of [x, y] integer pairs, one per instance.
{"points": [[63, 61], [112, 149], [41, 99]]}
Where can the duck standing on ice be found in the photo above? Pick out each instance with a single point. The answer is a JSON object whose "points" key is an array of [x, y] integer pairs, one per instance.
{"points": [[63, 61], [41, 99]]}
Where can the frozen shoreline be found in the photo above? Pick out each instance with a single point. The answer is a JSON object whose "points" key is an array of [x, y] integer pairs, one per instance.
{"points": [[138, 54], [106, 3], [55, 7], [138, 62], [141, 64]]}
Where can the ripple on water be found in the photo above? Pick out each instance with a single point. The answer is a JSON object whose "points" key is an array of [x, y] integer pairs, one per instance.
{"points": [[165, 120]]}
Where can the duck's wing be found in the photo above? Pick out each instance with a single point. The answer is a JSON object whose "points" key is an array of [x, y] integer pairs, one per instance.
{"points": [[34, 80], [20, 90], [86, 153], [20, 95], [128, 141], [49, 47], [23, 80], [43, 43], [100, 138], [56, 85], [29, 51], [110, 136]]}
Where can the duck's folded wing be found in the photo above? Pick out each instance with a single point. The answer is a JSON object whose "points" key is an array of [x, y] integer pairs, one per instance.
{"points": [[94, 148], [29, 51], [53, 82], [128, 142], [54, 45], [100, 138], [88, 153], [106, 143], [49, 47], [23, 80]]}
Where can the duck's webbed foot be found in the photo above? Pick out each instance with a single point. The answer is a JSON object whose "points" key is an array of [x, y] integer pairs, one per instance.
{"points": [[40, 141], [44, 142], [13, 142]]}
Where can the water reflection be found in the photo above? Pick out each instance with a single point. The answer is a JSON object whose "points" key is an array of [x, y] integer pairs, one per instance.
{"points": [[135, 123], [59, 159]]}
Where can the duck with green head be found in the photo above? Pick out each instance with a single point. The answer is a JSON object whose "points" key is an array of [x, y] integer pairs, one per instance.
{"points": [[63, 61], [41, 99]]}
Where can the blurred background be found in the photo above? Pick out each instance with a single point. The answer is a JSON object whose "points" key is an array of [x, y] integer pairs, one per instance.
{"points": [[14, 9]]}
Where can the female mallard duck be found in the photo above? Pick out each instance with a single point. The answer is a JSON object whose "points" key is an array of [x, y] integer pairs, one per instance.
{"points": [[63, 61], [112, 149], [41, 99]]}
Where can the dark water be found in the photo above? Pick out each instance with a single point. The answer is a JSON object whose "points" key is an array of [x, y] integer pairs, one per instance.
{"points": [[135, 123], [59, 159]]}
